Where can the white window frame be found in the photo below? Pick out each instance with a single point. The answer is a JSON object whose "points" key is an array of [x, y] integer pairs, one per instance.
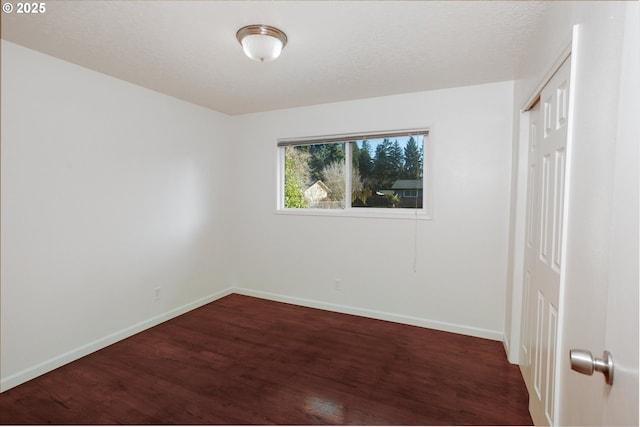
{"points": [[424, 213]]}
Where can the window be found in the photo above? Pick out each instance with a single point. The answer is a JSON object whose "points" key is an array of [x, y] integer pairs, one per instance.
{"points": [[380, 174]]}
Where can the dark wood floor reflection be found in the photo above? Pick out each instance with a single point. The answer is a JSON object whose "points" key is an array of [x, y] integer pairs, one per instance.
{"points": [[243, 360]]}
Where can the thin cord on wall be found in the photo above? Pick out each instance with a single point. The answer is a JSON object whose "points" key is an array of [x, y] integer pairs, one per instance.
{"points": [[415, 242]]}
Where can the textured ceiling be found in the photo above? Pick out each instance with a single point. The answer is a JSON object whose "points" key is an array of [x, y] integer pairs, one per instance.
{"points": [[337, 50]]}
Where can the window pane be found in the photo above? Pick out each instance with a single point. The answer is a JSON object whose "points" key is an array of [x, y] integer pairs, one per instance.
{"points": [[314, 176], [388, 173]]}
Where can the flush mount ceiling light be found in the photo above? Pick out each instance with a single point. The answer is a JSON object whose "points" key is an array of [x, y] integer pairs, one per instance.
{"points": [[261, 42]]}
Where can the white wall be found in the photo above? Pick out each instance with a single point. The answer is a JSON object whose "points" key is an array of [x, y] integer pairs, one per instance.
{"points": [[460, 280], [108, 191], [595, 124]]}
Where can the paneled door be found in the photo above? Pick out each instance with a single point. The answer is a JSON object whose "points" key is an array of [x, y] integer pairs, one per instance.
{"points": [[544, 236]]}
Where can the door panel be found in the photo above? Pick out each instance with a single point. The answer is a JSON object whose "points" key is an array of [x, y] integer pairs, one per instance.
{"points": [[526, 328], [543, 261]]}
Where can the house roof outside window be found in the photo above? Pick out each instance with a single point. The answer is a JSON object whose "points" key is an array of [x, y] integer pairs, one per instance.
{"points": [[407, 184]]}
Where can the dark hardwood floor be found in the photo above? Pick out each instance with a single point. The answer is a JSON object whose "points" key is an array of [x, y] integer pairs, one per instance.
{"points": [[243, 360]]}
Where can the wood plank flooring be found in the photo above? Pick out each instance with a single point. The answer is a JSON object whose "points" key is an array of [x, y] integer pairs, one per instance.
{"points": [[243, 360]]}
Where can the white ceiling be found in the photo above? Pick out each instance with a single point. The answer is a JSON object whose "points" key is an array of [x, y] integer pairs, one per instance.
{"points": [[337, 50]]}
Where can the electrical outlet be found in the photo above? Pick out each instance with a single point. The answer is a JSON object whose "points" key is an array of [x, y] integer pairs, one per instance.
{"points": [[338, 285], [156, 294]]}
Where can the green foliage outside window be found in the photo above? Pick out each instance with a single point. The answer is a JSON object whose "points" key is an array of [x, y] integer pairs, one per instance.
{"points": [[293, 195]]}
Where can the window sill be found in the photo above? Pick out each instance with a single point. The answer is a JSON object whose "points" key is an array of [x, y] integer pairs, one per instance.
{"points": [[389, 213]]}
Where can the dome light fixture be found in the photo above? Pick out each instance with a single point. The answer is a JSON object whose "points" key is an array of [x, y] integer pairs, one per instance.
{"points": [[261, 42]]}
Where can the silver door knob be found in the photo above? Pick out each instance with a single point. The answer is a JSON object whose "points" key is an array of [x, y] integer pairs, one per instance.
{"points": [[582, 361]]}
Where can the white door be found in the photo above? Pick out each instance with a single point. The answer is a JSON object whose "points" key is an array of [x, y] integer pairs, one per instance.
{"points": [[621, 400], [528, 309], [544, 236], [597, 309], [603, 303]]}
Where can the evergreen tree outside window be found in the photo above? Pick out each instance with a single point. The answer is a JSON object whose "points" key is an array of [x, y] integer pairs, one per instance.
{"points": [[354, 174]]}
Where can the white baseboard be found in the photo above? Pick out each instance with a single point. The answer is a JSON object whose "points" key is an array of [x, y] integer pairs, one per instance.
{"points": [[61, 360], [375, 314]]}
